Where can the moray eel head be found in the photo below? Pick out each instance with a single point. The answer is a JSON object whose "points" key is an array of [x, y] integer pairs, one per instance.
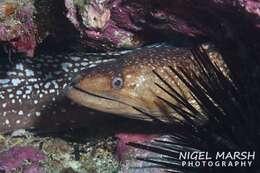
{"points": [[122, 86], [129, 86]]}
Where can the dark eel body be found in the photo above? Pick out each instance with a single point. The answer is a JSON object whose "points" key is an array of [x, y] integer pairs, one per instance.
{"points": [[30, 88]]}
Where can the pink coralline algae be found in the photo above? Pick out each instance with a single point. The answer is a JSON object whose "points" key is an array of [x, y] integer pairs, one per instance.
{"points": [[127, 154], [14, 158], [116, 24], [155, 15], [109, 24], [97, 27], [34, 168], [112, 24], [253, 8], [17, 27], [122, 148]]}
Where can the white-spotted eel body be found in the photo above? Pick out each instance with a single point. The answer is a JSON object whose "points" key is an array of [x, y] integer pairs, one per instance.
{"points": [[30, 86]]}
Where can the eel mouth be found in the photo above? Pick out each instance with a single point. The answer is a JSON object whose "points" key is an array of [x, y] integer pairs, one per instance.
{"points": [[107, 104]]}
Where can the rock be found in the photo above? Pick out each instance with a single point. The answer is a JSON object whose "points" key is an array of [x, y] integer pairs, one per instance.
{"points": [[116, 24], [17, 26], [26, 24], [94, 21], [127, 155], [34, 168], [113, 24], [14, 158]]}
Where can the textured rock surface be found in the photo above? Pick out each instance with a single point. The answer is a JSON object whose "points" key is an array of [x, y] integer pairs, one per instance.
{"points": [[27, 23], [113, 24], [17, 27], [35, 154], [16, 156], [92, 148], [108, 24], [127, 154], [95, 22]]}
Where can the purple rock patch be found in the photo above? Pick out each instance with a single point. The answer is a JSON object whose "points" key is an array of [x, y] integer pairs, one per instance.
{"points": [[13, 158]]}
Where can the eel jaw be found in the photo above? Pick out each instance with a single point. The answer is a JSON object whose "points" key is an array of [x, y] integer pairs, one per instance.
{"points": [[105, 104]]}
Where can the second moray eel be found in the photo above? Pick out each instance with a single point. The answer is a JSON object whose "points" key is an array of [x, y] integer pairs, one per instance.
{"points": [[129, 82]]}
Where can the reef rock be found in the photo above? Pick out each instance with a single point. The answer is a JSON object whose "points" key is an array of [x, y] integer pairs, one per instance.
{"points": [[110, 24], [15, 157], [17, 26], [116, 24], [127, 155], [94, 20], [25, 24]]}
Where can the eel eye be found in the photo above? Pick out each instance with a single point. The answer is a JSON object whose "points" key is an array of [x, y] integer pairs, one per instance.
{"points": [[117, 82]]}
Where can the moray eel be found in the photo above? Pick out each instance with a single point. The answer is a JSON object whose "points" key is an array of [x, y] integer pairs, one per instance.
{"points": [[31, 86], [129, 83]]}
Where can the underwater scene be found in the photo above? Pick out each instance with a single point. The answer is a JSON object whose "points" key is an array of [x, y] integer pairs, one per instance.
{"points": [[129, 86]]}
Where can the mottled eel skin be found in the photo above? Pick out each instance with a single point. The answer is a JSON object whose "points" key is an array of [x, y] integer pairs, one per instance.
{"points": [[30, 86], [129, 82]]}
